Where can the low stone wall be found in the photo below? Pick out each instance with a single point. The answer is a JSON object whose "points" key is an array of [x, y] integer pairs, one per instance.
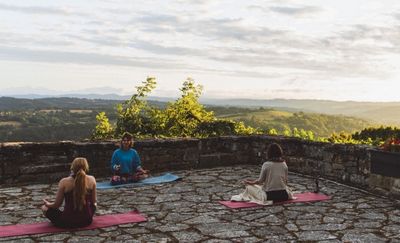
{"points": [[48, 162]]}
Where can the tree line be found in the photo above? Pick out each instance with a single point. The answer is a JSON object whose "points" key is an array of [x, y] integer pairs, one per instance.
{"points": [[55, 119], [186, 117]]}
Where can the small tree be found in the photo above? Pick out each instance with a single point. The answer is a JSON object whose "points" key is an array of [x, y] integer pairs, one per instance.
{"points": [[272, 131], [185, 114], [215, 128], [185, 117], [242, 129], [135, 115], [103, 129]]}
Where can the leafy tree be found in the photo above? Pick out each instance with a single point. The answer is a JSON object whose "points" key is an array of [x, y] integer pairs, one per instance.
{"points": [[215, 128], [135, 115], [342, 138], [185, 114], [242, 129], [378, 135], [287, 133], [103, 129], [272, 131]]}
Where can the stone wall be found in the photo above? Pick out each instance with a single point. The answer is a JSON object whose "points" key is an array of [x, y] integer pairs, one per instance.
{"points": [[47, 162]]}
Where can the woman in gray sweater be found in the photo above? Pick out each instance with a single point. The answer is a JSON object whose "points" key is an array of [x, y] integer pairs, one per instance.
{"points": [[273, 177]]}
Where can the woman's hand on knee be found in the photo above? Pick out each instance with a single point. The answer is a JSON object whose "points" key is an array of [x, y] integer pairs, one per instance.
{"points": [[47, 203], [249, 182], [44, 208]]}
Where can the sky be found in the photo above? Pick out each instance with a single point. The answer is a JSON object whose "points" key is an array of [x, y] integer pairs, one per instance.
{"points": [[292, 49]]}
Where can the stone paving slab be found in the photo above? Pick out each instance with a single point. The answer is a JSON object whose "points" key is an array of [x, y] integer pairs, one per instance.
{"points": [[188, 211]]}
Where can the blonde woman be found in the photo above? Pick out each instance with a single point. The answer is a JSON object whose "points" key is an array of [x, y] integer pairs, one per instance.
{"points": [[79, 192]]}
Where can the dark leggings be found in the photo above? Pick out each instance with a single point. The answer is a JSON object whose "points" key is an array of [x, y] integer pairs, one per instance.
{"points": [[54, 215], [277, 196]]}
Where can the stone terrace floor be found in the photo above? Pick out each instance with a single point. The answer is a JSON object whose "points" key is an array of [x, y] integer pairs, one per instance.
{"points": [[188, 211]]}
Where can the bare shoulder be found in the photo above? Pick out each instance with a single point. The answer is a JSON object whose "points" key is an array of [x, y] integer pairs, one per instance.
{"points": [[66, 183], [91, 178], [65, 180]]}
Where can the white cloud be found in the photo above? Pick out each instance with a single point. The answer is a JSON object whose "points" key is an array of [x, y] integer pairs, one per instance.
{"points": [[37, 10], [262, 43]]}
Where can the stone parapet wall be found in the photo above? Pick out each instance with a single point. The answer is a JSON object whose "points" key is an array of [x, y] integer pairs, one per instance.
{"points": [[47, 162]]}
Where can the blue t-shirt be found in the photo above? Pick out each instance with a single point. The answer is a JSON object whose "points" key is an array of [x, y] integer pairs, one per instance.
{"points": [[129, 161]]}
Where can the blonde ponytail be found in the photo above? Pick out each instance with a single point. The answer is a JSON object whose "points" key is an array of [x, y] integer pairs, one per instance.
{"points": [[80, 190], [79, 167]]}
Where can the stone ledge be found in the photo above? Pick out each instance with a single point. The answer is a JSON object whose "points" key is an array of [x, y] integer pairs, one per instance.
{"points": [[344, 163]]}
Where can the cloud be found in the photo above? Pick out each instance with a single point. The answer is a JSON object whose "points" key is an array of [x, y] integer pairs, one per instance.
{"points": [[165, 50], [231, 29], [293, 11], [151, 18], [227, 44], [7, 38], [396, 16], [296, 11], [196, 2], [38, 10], [380, 39], [50, 56]]}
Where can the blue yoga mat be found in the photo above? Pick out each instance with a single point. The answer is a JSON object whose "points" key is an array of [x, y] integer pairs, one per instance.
{"points": [[168, 177]]}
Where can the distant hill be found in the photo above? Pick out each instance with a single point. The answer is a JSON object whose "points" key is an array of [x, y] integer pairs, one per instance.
{"points": [[387, 113], [268, 118], [53, 119], [16, 104], [380, 112], [82, 96]]}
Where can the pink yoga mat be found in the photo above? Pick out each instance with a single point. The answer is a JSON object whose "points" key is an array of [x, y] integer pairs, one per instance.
{"points": [[301, 197], [46, 227]]}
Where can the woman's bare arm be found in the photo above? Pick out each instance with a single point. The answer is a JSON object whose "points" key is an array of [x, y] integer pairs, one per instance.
{"points": [[94, 192], [59, 196], [251, 182]]}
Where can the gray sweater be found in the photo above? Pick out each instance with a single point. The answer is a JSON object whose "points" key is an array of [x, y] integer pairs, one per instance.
{"points": [[273, 176]]}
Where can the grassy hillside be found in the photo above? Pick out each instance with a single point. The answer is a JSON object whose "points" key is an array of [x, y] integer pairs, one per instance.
{"points": [[14, 104], [320, 124], [380, 112], [53, 119], [63, 103]]}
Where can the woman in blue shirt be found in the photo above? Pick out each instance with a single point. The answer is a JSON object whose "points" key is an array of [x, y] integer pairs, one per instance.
{"points": [[125, 163]]}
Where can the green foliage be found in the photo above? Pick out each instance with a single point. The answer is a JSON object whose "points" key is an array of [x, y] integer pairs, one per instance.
{"points": [[378, 135], [343, 137], [286, 133], [273, 132], [185, 114], [215, 128], [135, 115], [372, 136], [103, 129], [283, 121], [46, 125], [303, 134], [185, 117], [242, 129]]}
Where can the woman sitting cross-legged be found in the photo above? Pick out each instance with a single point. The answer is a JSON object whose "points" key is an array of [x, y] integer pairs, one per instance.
{"points": [[79, 192], [125, 163], [271, 186]]}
